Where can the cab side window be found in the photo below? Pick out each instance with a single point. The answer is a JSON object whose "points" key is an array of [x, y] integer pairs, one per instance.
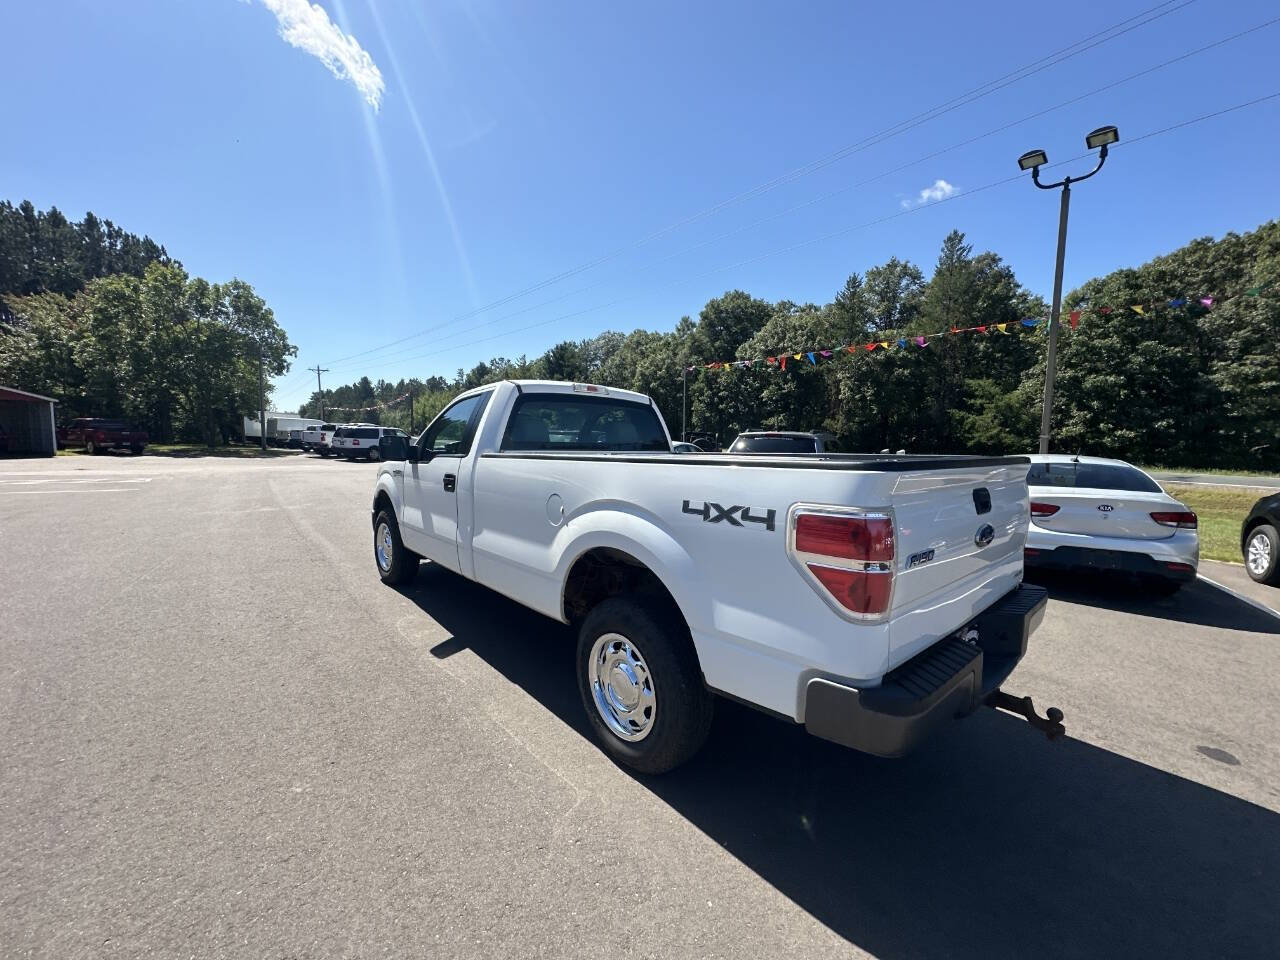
{"points": [[451, 433]]}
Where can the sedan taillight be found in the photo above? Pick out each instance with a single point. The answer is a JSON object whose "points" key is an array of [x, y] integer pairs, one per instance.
{"points": [[849, 558], [1181, 519], [1044, 509]]}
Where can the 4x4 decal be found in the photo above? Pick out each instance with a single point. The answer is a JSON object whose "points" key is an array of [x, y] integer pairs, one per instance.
{"points": [[735, 515]]}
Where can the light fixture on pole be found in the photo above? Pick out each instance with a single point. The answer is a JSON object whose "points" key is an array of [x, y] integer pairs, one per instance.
{"points": [[1033, 160]]}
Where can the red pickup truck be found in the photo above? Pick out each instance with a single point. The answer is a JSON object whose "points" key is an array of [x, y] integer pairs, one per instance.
{"points": [[98, 435]]}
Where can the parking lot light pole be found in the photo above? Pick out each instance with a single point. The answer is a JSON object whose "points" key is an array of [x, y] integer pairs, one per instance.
{"points": [[262, 403], [684, 404], [1032, 160]]}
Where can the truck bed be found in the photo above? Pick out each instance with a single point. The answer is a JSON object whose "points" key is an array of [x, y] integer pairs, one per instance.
{"points": [[863, 462]]}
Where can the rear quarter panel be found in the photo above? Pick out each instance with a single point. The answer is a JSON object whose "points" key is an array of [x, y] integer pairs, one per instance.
{"points": [[759, 628]]}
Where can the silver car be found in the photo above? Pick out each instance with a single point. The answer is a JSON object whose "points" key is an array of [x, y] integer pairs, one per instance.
{"points": [[1107, 515]]}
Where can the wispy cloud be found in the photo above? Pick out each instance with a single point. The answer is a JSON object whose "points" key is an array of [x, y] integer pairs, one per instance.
{"points": [[939, 191], [307, 26]]}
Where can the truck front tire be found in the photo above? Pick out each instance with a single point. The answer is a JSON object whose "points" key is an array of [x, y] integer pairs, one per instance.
{"points": [[396, 564], [641, 684]]}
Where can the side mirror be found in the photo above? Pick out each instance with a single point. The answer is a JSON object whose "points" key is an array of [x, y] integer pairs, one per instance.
{"points": [[393, 448]]}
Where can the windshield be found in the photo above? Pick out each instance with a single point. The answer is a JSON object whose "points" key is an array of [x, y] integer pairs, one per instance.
{"points": [[774, 443], [1094, 476]]}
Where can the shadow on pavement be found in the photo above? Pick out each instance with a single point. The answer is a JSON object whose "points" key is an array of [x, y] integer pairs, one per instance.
{"points": [[989, 842], [1197, 602]]}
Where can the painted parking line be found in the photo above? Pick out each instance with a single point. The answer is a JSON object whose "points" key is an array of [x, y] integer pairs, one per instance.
{"points": [[15, 493], [27, 483], [1240, 596]]}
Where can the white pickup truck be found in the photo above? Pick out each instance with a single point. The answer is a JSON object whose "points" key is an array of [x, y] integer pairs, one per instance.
{"points": [[866, 597]]}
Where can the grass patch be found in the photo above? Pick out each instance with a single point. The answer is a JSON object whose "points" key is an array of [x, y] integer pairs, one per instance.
{"points": [[199, 450], [1221, 511], [193, 450], [1211, 471]]}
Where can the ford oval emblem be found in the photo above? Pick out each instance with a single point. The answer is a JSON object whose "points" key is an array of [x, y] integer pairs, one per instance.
{"points": [[986, 533], [1105, 507]]}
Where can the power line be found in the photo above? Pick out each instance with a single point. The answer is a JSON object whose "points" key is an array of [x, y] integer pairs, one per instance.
{"points": [[831, 194], [1129, 142], [983, 90]]}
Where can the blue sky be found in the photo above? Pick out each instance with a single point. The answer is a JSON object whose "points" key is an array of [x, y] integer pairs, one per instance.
{"points": [[377, 168]]}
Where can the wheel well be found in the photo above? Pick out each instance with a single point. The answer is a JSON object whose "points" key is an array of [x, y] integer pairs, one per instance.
{"points": [[382, 502], [605, 572]]}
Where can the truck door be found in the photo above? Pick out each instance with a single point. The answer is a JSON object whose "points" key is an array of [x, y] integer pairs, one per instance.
{"points": [[430, 511]]}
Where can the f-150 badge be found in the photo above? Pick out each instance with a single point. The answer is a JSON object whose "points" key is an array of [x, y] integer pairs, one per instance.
{"points": [[735, 516]]}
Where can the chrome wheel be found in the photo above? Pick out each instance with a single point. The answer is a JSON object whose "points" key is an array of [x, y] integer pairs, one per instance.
{"points": [[375, 454], [622, 688], [384, 547], [1259, 556]]}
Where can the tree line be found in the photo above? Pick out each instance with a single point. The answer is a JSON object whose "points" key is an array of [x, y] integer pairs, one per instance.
{"points": [[108, 324], [1195, 385]]}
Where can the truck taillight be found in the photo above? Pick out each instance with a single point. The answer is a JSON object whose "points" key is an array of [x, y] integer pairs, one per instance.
{"points": [[847, 557], [1044, 509], [847, 537], [1182, 519]]}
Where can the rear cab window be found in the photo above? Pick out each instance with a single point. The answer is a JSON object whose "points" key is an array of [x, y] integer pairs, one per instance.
{"points": [[774, 443], [1093, 476], [577, 423]]}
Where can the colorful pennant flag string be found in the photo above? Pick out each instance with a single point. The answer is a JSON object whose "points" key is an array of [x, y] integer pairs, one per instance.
{"points": [[376, 406], [1144, 310]]}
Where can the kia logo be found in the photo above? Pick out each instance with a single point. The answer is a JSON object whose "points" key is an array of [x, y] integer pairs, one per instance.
{"points": [[1105, 507], [986, 533]]}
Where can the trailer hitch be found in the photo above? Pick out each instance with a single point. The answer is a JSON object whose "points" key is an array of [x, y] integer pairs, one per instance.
{"points": [[1050, 723]]}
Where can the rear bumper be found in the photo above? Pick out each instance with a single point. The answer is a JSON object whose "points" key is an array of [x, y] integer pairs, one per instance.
{"points": [[1172, 565], [950, 678]]}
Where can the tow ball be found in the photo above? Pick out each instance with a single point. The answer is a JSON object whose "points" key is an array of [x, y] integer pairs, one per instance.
{"points": [[1050, 723]]}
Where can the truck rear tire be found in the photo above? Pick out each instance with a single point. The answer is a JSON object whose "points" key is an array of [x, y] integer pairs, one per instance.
{"points": [[641, 684], [396, 564]]}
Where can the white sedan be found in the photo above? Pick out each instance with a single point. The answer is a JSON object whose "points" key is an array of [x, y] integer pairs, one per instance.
{"points": [[1107, 515]]}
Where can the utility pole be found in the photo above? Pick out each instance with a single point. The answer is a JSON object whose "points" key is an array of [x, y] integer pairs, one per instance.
{"points": [[1032, 160], [262, 403], [319, 389], [411, 398]]}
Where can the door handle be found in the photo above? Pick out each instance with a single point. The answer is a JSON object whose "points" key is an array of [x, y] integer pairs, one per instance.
{"points": [[450, 482]]}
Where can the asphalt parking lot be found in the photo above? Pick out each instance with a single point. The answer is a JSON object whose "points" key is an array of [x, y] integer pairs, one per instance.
{"points": [[222, 736]]}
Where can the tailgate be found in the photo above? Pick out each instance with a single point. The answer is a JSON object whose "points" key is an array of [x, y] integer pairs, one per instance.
{"points": [[959, 536]]}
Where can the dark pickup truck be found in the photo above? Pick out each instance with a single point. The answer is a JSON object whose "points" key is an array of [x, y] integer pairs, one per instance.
{"points": [[98, 435]]}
